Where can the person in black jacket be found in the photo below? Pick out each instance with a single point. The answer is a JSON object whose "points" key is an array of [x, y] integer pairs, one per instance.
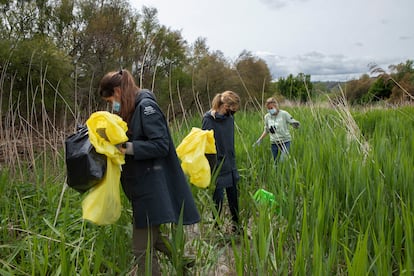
{"points": [[220, 120], [151, 177]]}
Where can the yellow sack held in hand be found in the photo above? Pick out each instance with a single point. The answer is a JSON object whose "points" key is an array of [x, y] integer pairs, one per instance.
{"points": [[192, 152], [102, 205]]}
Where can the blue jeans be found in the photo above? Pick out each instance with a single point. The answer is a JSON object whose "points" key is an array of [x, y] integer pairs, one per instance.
{"points": [[283, 148]]}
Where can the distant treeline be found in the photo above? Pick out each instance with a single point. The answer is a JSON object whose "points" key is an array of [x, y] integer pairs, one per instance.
{"points": [[53, 54]]}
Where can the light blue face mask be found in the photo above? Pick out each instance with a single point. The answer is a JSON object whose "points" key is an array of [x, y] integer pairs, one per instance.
{"points": [[272, 111], [116, 106]]}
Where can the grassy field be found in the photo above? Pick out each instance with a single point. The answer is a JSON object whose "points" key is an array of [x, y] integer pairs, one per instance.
{"points": [[343, 205]]}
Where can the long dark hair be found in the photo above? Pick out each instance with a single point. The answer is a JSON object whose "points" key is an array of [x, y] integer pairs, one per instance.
{"points": [[124, 80]]}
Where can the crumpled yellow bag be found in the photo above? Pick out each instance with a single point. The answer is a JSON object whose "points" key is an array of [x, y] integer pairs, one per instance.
{"points": [[102, 205], [192, 152]]}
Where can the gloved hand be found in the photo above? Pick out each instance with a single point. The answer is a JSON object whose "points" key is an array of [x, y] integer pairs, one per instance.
{"points": [[296, 124], [257, 143]]}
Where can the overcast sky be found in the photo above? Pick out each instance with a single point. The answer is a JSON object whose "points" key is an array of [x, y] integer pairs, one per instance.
{"points": [[328, 39]]}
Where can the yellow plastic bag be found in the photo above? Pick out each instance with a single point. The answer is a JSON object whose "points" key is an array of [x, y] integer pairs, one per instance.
{"points": [[192, 152], [105, 131], [102, 205]]}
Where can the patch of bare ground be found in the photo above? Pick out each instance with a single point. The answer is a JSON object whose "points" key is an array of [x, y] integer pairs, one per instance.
{"points": [[222, 248]]}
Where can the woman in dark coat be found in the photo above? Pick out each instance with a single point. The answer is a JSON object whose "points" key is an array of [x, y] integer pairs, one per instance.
{"points": [[151, 177], [220, 119]]}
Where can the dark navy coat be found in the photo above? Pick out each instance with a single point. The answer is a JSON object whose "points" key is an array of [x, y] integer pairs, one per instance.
{"points": [[152, 178], [223, 126]]}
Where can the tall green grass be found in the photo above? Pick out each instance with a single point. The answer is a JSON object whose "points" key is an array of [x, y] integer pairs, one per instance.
{"points": [[344, 206]]}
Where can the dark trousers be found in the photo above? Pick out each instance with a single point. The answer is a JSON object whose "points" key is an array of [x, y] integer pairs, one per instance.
{"points": [[141, 238], [232, 197]]}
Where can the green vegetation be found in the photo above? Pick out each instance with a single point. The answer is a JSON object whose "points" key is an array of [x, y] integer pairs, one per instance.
{"points": [[296, 87], [343, 206], [55, 52], [342, 201]]}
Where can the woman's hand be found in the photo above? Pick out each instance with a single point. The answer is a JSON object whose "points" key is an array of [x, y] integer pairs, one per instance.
{"points": [[122, 147], [257, 143]]}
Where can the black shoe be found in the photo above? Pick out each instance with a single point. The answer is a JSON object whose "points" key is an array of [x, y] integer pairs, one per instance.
{"points": [[237, 230], [188, 261]]}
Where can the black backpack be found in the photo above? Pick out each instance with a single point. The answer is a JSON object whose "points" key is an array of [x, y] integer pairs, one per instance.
{"points": [[85, 167]]}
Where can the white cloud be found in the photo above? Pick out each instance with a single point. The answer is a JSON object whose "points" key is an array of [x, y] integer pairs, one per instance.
{"points": [[277, 4], [332, 39], [320, 66], [407, 37]]}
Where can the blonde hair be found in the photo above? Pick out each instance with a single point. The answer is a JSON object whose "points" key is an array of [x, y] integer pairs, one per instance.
{"points": [[227, 97], [272, 100]]}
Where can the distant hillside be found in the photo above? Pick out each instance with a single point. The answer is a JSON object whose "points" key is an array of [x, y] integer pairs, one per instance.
{"points": [[328, 85]]}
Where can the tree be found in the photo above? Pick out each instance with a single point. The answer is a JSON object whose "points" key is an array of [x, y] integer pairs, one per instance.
{"points": [[296, 88], [403, 77], [381, 89], [105, 42], [66, 27], [254, 75], [209, 77], [400, 81], [21, 19], [36, 74], [355, 90]]}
